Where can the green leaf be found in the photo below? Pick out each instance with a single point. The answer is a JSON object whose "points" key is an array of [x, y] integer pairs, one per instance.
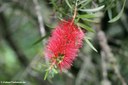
{"points": [[55, 71], [84, 4], [83, 1], [54, 4], [90, 44], [119, 15], [110, 13], [39, 40], [92, 10], [85, 27], [46, 75], [87, 16], [57, 8], [49, 26], [90, 20], [94, 15], [67, 2]]}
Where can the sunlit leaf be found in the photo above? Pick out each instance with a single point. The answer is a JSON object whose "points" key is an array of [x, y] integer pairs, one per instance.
{"points": [[85, 27], [46, 75], [90, 20], [119, 15], [110, 13], [90, 44], [83, 1], [54, 70], [92, 10], [87, 16]]}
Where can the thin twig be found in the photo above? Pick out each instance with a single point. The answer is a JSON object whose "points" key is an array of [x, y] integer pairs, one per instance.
{"points": [[104, 65], [75, 12], [40, 18]]}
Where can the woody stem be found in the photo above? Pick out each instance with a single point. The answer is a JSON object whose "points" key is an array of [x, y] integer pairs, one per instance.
{"points": [[75, 12], [52, 65]]}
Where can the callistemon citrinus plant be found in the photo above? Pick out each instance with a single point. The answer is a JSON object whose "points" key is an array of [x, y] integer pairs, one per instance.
{"points": [[66, 39], [64, 44]]}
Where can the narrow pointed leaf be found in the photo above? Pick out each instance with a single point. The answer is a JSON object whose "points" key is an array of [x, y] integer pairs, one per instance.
{"points": [[92, 10], [55, 71], [39, 40], [119, 15], [85, 27], [46, 75], [81, 2], [84, 4], [90, 44], [87, 16], [90, 20], [110, 13]]}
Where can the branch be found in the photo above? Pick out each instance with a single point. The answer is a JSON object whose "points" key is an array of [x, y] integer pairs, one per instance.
{"points": [[40, 18], [107, 55]]}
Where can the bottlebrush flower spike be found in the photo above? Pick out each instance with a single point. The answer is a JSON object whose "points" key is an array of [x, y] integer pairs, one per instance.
{"points": [[64, 44]]}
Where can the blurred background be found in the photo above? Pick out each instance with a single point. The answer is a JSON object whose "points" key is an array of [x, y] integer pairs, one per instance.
{"points": [[25, 26]]}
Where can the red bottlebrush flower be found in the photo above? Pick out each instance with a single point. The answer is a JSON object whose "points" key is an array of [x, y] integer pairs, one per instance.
{"points": [[64, 44]]}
